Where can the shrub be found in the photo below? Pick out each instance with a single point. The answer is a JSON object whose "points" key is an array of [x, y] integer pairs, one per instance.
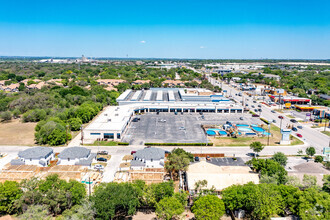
{"points": [[318, 159], [6, 116], [75, 124], [178, 144]]}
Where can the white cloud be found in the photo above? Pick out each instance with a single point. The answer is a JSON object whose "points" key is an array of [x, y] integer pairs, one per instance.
{"points": [[142, 41], [202, 47]]}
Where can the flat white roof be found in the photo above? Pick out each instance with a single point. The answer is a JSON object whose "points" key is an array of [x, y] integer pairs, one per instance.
{"points": [[147, 97], [124, 95], [159, 95], [171, 95], [136, 95]]}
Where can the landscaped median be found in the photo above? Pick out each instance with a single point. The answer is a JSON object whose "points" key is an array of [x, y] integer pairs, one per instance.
{"points": [[107, 143], [178, 144]]}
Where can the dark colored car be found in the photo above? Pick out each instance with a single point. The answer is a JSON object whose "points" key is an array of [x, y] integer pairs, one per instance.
{"points": [[255, 115], [280, 117], [102, 159], [300, 127], [157, 113], [175, 113], [293, 120], [196, 158], [135, 120], [272, 111], [294, 129], [133, 152]]}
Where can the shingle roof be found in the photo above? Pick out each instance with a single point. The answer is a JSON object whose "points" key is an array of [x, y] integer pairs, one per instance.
{"points": [[36, 153], [137, 163], [74, 152], [17, 162], [88, 161], [150, 153]]}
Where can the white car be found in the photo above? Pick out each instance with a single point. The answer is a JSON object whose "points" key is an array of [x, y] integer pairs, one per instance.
{"points": [[182, 128]]}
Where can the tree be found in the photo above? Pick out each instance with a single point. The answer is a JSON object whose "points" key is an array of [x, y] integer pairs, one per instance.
{"points": [[256, 147], [6, 116], [208, 207], [310, 151], [153, 193], [85, 211], [326, 183], [169, 208], [9, 192], [280, 158], [115, 200], [177, 161], [318, 159], [309, 181], [75, 124], [35, 212]]}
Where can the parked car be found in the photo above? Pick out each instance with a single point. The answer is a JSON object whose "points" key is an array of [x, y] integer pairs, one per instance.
{"points": [[272, 111], [175, 113], [200, 113], [208, 157], [280, 117], [157, 113], [255, 115], [252, 155], [133, 152], [182, 128], [293, 120], [259, 106], [241, 118], [254, 101], [102, 159], [274, 121], [299, 135], [294, 129], [98, 167], [300, 127], [103, 152], [181, 113], [196, 158], [135, 120]]}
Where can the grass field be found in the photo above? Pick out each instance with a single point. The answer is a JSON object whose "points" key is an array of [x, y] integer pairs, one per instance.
{"points": [[103, 143], [326, 132], [246, 141], [17, 133]]}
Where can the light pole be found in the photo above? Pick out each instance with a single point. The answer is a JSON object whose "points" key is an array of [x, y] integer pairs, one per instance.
{"points": [[82, 135], [268, 133]]}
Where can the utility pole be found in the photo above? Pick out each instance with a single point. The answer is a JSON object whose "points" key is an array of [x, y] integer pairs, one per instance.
{"points": [[89, 186], [82, 135], [268, 133]]}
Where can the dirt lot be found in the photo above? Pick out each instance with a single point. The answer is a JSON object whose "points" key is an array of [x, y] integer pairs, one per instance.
{"points": [[17, 133]]}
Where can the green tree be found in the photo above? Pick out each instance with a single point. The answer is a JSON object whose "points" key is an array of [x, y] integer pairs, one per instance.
{"points": [[310, 151], [85, 211], [309, 181], [169, 208], [75, 124], [115, 200], [9, 192], [208, 207], [326, 183], [318, 159], [280, 158], [35, 212], [256, 147], [177, 161], [153, 193]]}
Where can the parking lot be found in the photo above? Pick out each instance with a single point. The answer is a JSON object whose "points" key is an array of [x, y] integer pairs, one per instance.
{"points": [[180, 128]]}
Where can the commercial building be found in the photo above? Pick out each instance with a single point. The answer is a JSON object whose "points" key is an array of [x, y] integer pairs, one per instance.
{"points": [[113, 121], [40, 156]]}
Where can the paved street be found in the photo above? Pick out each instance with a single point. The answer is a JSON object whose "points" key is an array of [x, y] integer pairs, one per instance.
{"points": [[311, 136]]}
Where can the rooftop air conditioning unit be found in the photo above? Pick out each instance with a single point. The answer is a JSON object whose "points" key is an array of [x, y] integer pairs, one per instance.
{"points": [[116, 114], [109, 119]]}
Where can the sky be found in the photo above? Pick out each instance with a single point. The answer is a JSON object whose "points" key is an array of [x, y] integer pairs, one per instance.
{"points": [[208, 29]]}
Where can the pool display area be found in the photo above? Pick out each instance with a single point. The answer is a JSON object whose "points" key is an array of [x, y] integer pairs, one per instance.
{"points": [[229, 129]]}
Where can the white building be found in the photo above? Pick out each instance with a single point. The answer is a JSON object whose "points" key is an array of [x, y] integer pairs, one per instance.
{"points": [[40, 156], [76, 156], [148, 157]]}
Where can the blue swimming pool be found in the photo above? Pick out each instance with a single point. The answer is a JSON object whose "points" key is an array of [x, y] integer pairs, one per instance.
{"points": [[222, 132], [242, 125], [266, 133], [212, 131], [258, 129], [245, 129]]}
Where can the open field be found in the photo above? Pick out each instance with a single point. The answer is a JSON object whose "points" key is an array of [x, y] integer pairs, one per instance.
{"points": [[17, 133]]}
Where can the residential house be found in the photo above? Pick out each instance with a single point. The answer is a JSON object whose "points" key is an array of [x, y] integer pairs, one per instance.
{"points": [[110, 82], [76, 156], [149, 157], [40, 156], [140, 82], [11, 88]]}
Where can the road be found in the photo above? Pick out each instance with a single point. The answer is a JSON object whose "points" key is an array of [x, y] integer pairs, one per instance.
{"points": [[311, 136]]}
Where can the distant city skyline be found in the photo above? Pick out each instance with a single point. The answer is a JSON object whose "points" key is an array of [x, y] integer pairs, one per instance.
{"points": [[172, 29]]}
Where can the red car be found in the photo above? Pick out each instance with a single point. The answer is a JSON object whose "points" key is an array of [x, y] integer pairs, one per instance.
{"points": [[280, 117], [299, 135], [255, 115]]}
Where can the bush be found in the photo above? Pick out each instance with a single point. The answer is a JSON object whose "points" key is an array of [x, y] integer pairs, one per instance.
{"points": [[318, 159], [34, 115], [6, 116], [123, 143], [52, 133]]}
